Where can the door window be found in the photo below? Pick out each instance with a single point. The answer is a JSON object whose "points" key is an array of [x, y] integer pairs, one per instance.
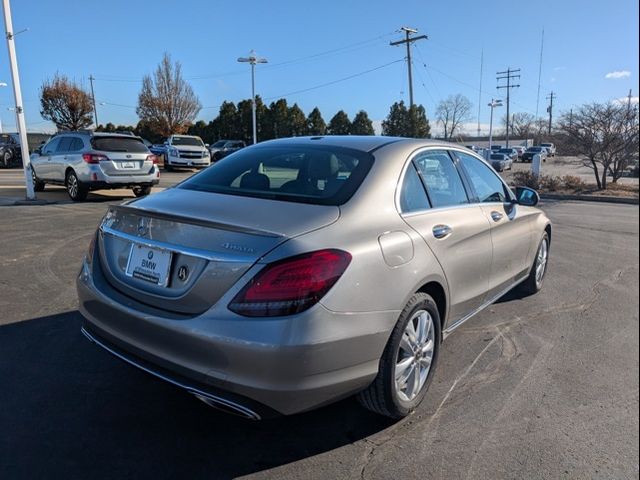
{"points": [[487, 185], [76, 145], [413, 197], [50, 148], [442, 178], [63, 146]]}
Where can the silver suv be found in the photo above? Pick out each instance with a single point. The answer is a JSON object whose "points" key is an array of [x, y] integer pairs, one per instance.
{"points": [[84, 161]]}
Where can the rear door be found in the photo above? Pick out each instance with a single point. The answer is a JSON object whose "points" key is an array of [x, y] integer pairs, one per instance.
{"points": [[456, 231], [59, 159], [510, 224], [126, 155]]}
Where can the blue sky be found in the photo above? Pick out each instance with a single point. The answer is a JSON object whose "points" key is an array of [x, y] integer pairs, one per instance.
{"points": [[120, 41]]}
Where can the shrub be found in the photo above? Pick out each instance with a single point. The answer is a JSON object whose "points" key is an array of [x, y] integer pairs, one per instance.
{"points": [[526, 179], [550, 183], [571, 182]]}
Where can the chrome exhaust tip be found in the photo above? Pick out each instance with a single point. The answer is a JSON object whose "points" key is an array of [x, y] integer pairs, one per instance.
{"points": [[226, 407]]}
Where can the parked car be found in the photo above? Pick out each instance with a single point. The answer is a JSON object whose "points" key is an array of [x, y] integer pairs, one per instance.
{"points": [[301, 271], [520, 149], [85, 161], [185, 151], [501, 162], [551, 148], [222, 148], [495, 147], [527, 156], [512, 153], [10, 152]]}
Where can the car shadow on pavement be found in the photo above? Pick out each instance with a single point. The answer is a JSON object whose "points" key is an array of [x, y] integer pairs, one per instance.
{"points": [[70, 410]]}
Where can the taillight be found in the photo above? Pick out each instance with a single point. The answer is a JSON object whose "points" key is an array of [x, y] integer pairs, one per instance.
{"points": [[93, 157], [291, 285], [153, 158]]}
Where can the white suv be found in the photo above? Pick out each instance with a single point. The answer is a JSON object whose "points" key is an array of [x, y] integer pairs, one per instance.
{"points": [[186, 151]]}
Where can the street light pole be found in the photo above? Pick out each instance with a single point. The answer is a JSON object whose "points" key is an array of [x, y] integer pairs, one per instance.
{"points": [[17, 93], [2, 84], [253, 59], [493, 104]]}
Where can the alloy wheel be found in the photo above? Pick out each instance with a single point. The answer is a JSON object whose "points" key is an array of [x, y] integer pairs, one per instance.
{"points": [[415, 355], [541, 262]]}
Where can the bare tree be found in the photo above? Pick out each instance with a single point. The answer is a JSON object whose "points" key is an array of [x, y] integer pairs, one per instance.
{"points": [[167, 102], [522, 124], [66, 104], [605, 135], [452, 113]]}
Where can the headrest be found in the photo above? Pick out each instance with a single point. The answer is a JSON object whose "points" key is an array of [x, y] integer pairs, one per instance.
{"points": [[323, 166], [255, 181]]}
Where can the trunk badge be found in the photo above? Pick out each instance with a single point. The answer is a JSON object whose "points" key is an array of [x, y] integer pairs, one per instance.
{"points": [[183, 273], [143, 227]]}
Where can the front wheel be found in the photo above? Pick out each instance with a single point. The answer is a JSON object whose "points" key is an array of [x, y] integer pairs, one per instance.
{"points": [[533, 283], [408, 361], [6, 160], [38, 185]]}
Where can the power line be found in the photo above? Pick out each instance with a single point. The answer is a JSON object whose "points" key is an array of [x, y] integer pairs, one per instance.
{"points": [[508, 75]]}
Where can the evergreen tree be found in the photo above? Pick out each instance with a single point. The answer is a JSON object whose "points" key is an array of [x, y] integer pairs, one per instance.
{"points": [[339, 124], [418, 123], [225, 124], [277, 122], [315, 123], [403, 122], [297, 121], [361, 124]]}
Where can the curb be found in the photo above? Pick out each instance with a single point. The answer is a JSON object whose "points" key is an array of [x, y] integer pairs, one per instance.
{"points": [[590, 198]]}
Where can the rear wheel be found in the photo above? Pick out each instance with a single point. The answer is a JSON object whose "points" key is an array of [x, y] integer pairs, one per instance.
{"points": [[38, 185], [77, 192], [141, 191], [408, 361], [533, 283], [6, 160]]}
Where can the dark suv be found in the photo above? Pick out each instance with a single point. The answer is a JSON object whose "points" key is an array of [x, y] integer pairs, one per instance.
{"points": [[10, 154]]}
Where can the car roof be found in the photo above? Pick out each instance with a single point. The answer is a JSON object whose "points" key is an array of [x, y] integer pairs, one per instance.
{"points": [[365, 143]]}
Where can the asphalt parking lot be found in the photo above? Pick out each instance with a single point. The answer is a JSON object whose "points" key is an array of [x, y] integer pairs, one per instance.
{"points": [[535, 387]]}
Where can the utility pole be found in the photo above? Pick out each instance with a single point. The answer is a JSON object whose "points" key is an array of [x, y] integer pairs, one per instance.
{"points": [[550, 97], [93, 99], [493, 104], [408, 41], [508, 75], [480, 90], [253, 59], [629, 97], [17, 93], [571, 118]]}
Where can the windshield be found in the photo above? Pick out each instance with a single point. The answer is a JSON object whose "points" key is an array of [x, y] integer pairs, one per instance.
{"points": [[190, 141], [119, 144], [219, 144], [545, 144], [319, 175], [496, 157], [534, 149]]}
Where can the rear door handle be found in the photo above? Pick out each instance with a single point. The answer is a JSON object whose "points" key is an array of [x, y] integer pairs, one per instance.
{"points": [[441, 231], [496, 216]]}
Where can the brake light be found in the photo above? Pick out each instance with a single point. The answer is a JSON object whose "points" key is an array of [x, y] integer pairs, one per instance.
{"points": [[93, 158], [291, 285], [153, 158]]}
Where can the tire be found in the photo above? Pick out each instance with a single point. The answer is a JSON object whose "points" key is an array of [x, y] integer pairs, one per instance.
{"points": [[38, 185], [6, 160], [535, 280], [168, 167], [142, 191], [76, 191], [384, 396]]}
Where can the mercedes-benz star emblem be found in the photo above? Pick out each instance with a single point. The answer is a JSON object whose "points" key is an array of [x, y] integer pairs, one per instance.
{"points": [[183, 273]]}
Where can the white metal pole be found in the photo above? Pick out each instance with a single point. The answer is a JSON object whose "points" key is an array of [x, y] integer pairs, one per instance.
{"points": [[1, 125], [253, 101], [17, 93], [491, 125]]}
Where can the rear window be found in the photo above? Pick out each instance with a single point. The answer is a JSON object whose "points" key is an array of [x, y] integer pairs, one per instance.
{"points": [[297, 173], [191, 141], [119, 144]]}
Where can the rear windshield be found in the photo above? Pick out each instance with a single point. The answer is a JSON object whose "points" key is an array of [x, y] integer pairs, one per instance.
{"points": [[534, 149], [319, 175], [191, 141], [496, 157], [119, 144]]}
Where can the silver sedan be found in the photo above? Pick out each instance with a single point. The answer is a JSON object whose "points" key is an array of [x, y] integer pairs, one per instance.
{"points": [[301, 271]]}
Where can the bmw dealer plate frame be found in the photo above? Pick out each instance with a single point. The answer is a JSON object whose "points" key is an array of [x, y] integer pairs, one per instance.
{"points": [[150, 264]]}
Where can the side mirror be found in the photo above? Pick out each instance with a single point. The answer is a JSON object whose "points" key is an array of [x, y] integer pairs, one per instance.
{"points": [[527, 196], [206, 145]]}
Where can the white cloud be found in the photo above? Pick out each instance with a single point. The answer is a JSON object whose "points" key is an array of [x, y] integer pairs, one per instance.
{"points": [[558, 69], [618, 74], [625, 100]]}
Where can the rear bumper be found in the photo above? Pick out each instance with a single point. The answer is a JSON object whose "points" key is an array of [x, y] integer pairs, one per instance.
{"points": [[282, 365], [95, 178]]}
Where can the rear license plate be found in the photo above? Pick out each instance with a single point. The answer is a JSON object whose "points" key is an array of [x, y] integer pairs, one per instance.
{"points": [[128, 164], [149, 264]]}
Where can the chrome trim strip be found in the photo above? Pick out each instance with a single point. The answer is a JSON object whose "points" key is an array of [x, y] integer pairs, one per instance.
{"points": [[192, 252], [243, 411], [447, 331]]}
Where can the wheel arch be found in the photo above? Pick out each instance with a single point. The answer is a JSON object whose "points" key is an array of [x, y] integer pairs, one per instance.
{"points": [[437, 291]]}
